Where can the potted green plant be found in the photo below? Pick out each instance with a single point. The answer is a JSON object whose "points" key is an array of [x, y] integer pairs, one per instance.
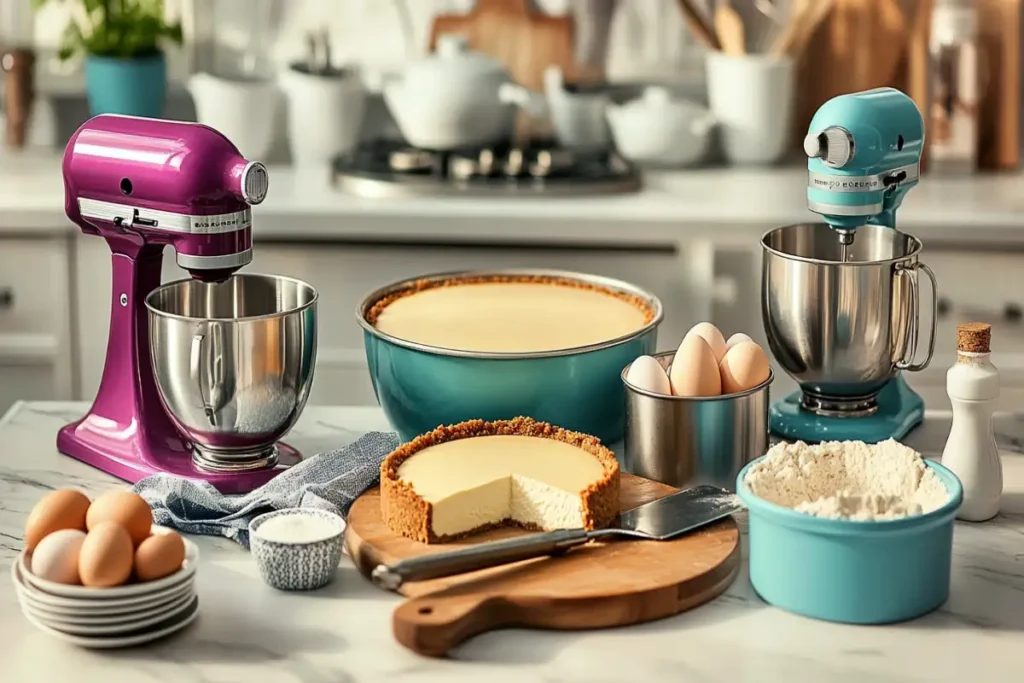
{"points": [[120, 40]]}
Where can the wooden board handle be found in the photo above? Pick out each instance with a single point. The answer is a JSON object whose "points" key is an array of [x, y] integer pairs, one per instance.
{"points": [[434, 624]]}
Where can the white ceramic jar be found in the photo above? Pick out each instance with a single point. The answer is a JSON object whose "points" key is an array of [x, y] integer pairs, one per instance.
{"points": [[659, 130], [243, 110], [325, 113]]}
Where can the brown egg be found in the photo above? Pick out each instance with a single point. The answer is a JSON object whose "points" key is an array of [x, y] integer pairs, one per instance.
{"points": [[106, 556], [124, 508], [60, 509], [158, 556], [743, 367], [712, 335], [694, 371]]}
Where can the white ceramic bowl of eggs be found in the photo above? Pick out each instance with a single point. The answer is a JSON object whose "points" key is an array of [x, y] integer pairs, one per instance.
{"points": [[706, 364]]}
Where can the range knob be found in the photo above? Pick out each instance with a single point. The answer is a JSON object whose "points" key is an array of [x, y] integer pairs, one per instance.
{"points": [[834, 146]]}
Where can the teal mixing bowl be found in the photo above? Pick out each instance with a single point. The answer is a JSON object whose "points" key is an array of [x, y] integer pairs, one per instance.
{"points": [[421, 387], [850, 571]]}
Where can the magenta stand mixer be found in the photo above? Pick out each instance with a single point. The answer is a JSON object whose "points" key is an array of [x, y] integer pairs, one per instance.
{"points": [[184, 360]]}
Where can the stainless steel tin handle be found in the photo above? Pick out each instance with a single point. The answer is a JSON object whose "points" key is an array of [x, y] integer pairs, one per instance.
{"points": [[908, 362], [392, 576]]}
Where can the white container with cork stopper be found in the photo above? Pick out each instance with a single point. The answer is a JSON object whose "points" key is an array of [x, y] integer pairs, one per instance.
{"points": [[971, 452]]}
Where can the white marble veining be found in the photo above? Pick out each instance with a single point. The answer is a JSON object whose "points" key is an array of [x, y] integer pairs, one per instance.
{"points": [[248, 632]]}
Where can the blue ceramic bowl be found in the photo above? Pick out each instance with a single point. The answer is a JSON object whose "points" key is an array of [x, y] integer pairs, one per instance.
{"points": [[421, 387], [850, 571]]}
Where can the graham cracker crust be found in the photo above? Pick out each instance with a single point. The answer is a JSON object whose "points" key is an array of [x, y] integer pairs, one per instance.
{"points": [[417, 286], [407, 514]]}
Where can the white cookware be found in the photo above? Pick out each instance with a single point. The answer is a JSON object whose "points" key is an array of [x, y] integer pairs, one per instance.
{"points": [[242, 109], [325, 113], [752, 97], [578, 118], [452, 98], [659, 130]]}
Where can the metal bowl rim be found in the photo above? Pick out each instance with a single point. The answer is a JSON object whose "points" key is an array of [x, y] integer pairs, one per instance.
{"points": [[598, 280], [785, 515], [909, 256], [153, 311], [696, 399]]}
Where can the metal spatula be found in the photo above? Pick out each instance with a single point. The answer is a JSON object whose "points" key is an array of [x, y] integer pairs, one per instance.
{"points": [[659, 520]]}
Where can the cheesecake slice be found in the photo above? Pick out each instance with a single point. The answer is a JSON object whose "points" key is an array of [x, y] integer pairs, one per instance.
{"points": [[509, 314], [464, 478]]}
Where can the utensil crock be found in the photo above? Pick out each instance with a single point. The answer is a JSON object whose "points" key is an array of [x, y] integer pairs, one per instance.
{"points": [[244, 110], [420, 386], [325, 113], [686, 441], [857, 572]]}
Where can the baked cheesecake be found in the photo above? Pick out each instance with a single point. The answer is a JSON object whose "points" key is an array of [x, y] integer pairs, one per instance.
{"points": [[461, 479], [509, 314]]}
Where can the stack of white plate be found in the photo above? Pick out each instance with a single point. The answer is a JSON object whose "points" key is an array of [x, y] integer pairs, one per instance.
{"points": [[123, 616]]}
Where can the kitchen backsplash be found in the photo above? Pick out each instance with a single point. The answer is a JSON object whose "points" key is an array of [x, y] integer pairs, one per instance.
{"points": [[647, 38]]}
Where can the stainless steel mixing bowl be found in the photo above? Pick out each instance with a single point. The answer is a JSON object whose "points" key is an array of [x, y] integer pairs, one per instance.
{"points": [[234, 363], [842, 329]]}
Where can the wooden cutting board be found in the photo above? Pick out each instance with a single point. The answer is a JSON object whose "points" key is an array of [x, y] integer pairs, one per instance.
{"points": [[524, 40], [599, 585]]}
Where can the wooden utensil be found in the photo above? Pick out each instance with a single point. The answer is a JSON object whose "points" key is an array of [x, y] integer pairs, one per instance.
{"points": [[808, 15], [999, 114], [698, 26], [511, 31], [918, 64], [595, 586], [729, 29]]}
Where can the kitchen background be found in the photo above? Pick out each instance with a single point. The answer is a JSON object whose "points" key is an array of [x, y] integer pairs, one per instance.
{"points": [[688, 230]]}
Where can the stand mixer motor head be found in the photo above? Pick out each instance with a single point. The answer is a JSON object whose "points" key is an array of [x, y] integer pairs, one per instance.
{"points": [[864, 153], [139, 182]]}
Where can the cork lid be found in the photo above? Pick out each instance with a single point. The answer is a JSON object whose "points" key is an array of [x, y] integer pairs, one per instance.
{"points": [[974, 338]]}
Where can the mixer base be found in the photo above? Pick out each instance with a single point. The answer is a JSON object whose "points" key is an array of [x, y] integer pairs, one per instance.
{"points": [[127, 455], [900, 409]]}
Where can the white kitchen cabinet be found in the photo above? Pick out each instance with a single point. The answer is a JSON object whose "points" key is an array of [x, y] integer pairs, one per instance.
{"points": [[35, 320], [345, 273]]}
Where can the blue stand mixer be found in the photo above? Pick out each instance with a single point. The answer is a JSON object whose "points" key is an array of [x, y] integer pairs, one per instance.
{"points": [[840, 299]]}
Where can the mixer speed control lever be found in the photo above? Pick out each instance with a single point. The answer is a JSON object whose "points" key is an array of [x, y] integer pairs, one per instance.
{"points": [[129, 223]]}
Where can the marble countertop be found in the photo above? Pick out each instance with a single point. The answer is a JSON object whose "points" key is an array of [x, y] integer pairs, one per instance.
{"points": [[672, 205], [248, 632]]}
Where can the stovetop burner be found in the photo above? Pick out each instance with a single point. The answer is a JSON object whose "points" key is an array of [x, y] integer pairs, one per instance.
{"points": [[391, 169]]}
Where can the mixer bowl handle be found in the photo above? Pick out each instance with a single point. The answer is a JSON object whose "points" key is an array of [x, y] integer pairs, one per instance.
{"points": [[908, 362], [206, 366]]}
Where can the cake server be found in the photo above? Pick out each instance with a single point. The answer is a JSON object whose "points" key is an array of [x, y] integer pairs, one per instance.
{"points": [[659, 520]]}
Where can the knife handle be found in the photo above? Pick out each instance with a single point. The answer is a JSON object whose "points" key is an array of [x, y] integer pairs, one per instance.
{"points": [[482, 556]]}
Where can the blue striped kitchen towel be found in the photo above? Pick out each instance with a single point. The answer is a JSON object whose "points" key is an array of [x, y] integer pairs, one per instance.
{"points": [[330, 481]]}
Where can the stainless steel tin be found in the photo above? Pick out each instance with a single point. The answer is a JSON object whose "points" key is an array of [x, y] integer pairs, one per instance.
{"points": [[234, 363], [843, 329], [683, 441]]}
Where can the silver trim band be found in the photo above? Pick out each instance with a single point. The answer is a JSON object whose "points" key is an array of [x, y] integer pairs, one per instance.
{"points": [[860, 183], [845, 209], [224, 261], [165, 220]]}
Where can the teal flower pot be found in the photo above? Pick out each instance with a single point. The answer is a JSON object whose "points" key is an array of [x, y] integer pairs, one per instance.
{"points": [[132, 87], [421, 387]]}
